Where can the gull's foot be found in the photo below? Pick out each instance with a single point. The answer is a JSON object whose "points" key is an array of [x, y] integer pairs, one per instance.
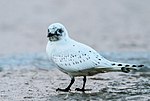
{"points": [[79, 89], [63, 90]]}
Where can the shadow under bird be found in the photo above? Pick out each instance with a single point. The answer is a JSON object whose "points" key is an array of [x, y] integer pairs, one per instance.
{"points": [[77, 59]]}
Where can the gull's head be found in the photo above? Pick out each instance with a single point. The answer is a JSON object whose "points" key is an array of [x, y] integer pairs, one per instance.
{"points": [[56, 32]]}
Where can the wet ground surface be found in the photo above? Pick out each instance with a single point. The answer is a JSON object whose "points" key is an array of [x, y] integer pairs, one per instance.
{"points": [[31, 77]]}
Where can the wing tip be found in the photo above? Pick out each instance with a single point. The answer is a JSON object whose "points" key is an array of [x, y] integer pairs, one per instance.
{"points": [[125, 70]]}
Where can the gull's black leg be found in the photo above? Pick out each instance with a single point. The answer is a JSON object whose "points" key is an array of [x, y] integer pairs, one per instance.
{"points": [[83, 88], [68, 88]]}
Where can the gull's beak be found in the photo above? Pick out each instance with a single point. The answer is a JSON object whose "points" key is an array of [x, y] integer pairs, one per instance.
{"points": [[49, 34]]}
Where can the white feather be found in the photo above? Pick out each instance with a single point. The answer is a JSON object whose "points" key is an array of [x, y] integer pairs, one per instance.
{"points": [[77, 59]]}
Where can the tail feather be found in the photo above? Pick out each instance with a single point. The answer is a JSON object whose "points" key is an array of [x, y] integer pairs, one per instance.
{"points": [[124, 67]]}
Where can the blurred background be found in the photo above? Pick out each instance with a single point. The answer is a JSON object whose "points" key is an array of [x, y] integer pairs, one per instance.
{"points": [[118, 29], [105, 25]]}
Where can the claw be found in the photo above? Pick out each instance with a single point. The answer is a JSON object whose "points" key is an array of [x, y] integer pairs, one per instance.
{"points": [[79, 89], [63, 90]]}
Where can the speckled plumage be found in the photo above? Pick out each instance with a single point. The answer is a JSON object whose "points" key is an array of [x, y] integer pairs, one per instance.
{"points": [[74, 57], [77, 59]]}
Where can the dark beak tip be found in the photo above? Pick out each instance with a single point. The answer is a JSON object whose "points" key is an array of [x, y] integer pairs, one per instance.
{"points": [[48, 35]]}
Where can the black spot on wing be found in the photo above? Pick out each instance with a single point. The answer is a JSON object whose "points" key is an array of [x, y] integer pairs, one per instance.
{"points": [[76, 62], [127, 65], [140, 65], [83, 54], [119, 64], [79, 57], [133, 65], [96, 64], [113, 64], [83, 60], [96, 56]]}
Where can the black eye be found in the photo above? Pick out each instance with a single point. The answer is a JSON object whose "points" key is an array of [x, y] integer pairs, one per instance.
{"points": [[60, 30], [48, 30]]}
